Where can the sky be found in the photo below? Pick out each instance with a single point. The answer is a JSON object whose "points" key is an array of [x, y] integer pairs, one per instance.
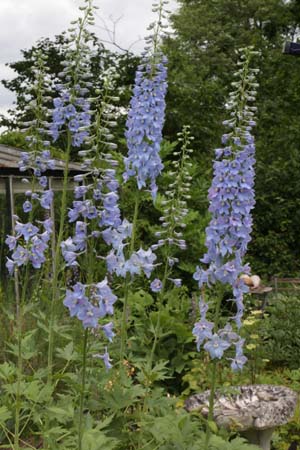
{"points": [[23, 22]]}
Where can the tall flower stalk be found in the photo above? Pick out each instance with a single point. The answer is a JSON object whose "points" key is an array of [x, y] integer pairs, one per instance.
{"points": [[147, 109], [173, 221], [95, 215], [228, 234], [175, 204], [71, 118], [29, 242], [144, 135]]}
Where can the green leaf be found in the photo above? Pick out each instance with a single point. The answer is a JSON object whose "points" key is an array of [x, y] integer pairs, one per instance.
{"points": [[62, 415], [217, 443], [140, 299], [67, 352], [33, 391], [5, 414], [7, 370], [95, 439], [104, 423], [212, 426]]}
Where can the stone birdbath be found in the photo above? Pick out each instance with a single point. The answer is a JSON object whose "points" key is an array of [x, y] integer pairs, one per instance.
{"points": [[253, 410]]}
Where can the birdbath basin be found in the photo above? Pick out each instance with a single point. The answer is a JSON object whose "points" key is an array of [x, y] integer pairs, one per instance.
{"points": [[254, 410]]}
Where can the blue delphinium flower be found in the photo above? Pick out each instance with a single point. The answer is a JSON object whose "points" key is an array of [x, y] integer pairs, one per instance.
{"points": [[75, 299], [75, 117], [240, 359], [146, 113], [96, 197], [36, 160], [107, 330], [89, 303], [144, 125], [216, 346], [70, 252], [71, 108], [202, 330], [27, 206], [156, 285], [105, 357], [231, 199], [30, 243], [95, 214], [176, 281], [141, 261]]}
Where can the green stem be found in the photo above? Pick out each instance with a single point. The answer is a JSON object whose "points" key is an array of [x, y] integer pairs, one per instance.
{"points": [[213, 385], [127, 282], [19, 322], [82, 391], [56, 264], [6, 432], [134, 223], [159, 308], [19, 313], [19, 375], [20, 299]]}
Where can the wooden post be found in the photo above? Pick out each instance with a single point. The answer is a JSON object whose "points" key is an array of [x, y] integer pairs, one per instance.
{"points": [[11, 211]]}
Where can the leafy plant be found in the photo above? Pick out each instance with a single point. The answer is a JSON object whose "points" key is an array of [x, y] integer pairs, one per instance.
{"points": [[282, 333]]}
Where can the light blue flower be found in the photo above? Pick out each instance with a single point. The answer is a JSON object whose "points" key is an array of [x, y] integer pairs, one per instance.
{"points": [[156, 285], [144, 125], [27, 206], [216, 346], [106, 359], [107, 330], [202, 330]]}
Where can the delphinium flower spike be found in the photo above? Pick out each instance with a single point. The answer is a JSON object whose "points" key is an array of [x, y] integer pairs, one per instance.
{"points": [[147, 110], [71, 116], [175, 204], [96, 195], [71, 120], [71, 113], [94, 211], [231, 199], [31, 240]]}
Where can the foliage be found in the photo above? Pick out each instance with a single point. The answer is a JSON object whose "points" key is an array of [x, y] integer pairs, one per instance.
{"points": [[124, 63], [201, 53], [281, 331], [13, 139], [55, 390]]}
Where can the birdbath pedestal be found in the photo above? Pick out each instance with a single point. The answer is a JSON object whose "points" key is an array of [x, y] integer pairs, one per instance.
{"points": [[254, 410]]}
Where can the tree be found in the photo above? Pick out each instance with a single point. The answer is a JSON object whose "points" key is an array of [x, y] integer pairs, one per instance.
{"points": [[125, 64], [201, 60]]}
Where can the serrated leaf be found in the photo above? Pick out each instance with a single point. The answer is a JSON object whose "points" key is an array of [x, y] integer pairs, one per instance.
{"points": [[104, 423], [62, 415], [5, 414], [33, 390], [140, 299], [7, 370], [67, 352], [96, 440]]}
